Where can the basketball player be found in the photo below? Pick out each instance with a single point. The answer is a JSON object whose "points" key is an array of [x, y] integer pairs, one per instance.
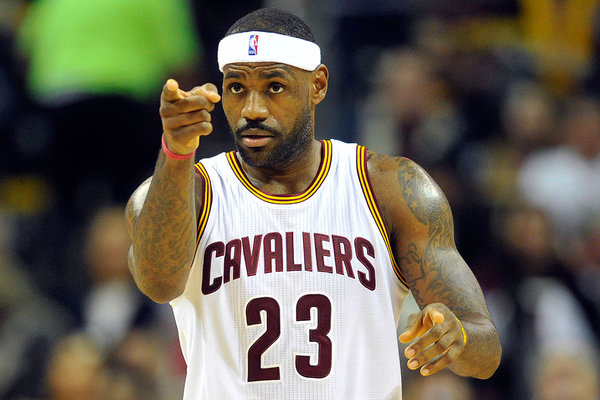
{"points": [[287, 260]]}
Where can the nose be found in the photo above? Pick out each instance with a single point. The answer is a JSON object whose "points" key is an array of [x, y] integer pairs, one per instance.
{"points": [[255, 107]]}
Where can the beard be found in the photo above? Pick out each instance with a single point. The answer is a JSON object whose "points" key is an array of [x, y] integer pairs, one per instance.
{"points": [[289, 146]]}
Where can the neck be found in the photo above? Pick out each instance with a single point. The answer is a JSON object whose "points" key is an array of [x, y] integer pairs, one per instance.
{"points": [[286, 178]]}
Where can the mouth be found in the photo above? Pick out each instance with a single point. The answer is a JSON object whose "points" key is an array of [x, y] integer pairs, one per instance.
{"points": [[256, 138]]}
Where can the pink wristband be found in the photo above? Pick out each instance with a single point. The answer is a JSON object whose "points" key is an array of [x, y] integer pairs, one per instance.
{"points": [[172, 155]]}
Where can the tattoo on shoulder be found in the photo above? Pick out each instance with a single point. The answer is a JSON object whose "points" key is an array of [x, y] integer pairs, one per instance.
{"points": [[414, 188], [423, 197]]}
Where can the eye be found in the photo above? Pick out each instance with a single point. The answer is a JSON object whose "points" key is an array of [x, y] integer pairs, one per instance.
{"points": [[276, 88], [236, 88]]}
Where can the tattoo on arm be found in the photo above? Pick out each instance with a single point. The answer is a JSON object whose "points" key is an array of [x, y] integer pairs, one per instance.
{"points": [[164, 232], [427, 269], [436, 272], [433, 267]]}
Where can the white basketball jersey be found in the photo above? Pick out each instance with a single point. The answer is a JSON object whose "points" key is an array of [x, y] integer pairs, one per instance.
{"points": [[291, 296]]}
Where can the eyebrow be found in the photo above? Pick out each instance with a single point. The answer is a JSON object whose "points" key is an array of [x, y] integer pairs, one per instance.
{"points": [[277, 73], [232, 75]]}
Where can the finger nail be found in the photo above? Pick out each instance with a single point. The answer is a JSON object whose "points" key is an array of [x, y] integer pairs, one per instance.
{"points": [[412, 364], [410, 353], [425, 371]]}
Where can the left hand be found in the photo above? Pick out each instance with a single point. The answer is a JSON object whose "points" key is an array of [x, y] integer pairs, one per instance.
{"points": [[439, 341]]}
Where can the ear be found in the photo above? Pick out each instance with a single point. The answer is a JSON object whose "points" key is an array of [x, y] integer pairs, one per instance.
{"points": [[319, 80]]}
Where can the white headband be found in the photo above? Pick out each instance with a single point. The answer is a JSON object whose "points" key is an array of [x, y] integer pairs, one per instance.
{"points": [[259, 46]]}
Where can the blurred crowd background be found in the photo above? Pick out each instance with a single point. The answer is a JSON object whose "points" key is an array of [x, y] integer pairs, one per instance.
{"points": [[497, 99]]}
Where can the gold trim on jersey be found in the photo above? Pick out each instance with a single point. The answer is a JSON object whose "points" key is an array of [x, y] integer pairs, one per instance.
{"points": [[206, 201], [363, 176], [291, 198]]}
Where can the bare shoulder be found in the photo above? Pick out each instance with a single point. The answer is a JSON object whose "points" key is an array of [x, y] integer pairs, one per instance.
{"points": [[137, 199], [405, 192]]}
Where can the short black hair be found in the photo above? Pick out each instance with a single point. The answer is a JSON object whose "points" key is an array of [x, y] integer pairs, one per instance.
{"points": [[273, 20]]}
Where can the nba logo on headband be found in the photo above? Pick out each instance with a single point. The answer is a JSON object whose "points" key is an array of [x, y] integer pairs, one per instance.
{"points": [[242, 47], [253, 45]]}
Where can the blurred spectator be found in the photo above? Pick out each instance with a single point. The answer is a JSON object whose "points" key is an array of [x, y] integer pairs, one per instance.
{"points": [[112, 305], [534, 310], [565, 180], [76, 370], [79, 370], [582, 272], [134, 334], [441, 386], [564, 375], [528, 115], [30, 324], [409, 111], [98, 67], [587, 273], [152, 359]]}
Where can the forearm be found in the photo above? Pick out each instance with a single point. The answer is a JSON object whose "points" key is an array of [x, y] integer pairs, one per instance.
{"points": [[482, 353], [164, 234]]}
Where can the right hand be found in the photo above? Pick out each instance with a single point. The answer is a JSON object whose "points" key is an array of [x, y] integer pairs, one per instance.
{"points": [[186, 115]]}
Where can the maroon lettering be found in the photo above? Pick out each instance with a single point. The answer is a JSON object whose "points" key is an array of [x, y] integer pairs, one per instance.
{"points": [[321, 253], [272, 324], [251, 255], [307, 251], [273, 250], [256, 372], [335, 249], [232, 259], [342, 253], [317, 335], [289, 253], [219, 249], [361, 245]]}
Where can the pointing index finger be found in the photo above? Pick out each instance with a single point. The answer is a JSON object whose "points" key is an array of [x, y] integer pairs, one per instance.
{"points": [[171, 91], [413, 327]]}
